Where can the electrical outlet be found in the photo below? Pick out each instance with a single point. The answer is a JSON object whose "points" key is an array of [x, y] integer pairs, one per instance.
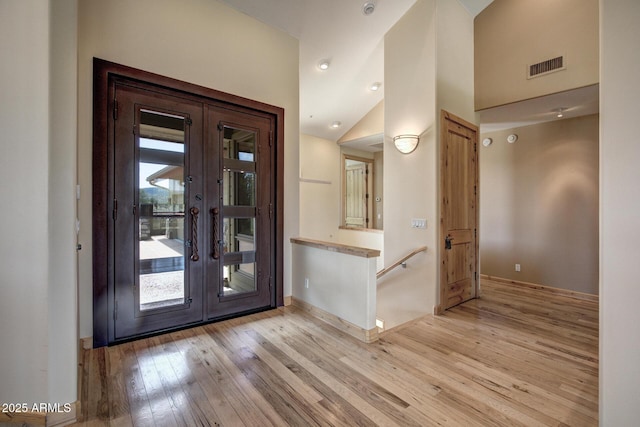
{"points": [[306, 283], [517, 267]]}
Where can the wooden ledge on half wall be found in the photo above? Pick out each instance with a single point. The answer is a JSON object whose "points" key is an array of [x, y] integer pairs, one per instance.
{"points": [[337, 247]]}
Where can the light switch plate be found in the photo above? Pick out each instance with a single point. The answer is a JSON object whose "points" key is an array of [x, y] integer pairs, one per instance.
{"points": [[418, 223]]}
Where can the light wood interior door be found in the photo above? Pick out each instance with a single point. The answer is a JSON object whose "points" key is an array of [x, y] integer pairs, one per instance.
{"points": [[355, 200], [356, 192], [458, 211]]}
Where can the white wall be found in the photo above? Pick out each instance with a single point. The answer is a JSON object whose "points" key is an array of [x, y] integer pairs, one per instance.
{"points": [[410, 181], [346, 290], [370, 239], [37, 168], [455, 38], [320, 199], [428, 66], [198, 41], [619, 218], [24, 172], [62, 297]]}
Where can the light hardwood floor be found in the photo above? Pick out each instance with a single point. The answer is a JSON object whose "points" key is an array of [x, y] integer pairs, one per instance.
{"points": [[514, 357]]}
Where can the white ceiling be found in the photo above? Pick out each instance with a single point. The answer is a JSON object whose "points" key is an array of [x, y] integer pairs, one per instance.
{"points": [[338, 30]]}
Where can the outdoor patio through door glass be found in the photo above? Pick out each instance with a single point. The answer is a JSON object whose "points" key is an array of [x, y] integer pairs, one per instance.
{"points": [[161, 182]]}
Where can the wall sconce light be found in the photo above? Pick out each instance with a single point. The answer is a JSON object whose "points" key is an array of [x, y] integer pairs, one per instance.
{"points": [[406, 143]]}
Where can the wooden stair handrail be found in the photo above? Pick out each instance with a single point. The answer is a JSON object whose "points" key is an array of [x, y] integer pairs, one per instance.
{"points": [[401, 261]]}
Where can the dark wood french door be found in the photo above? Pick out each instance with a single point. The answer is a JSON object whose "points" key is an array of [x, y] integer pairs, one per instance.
{"points": [[157, 199], [191, 230], [239, 194]]}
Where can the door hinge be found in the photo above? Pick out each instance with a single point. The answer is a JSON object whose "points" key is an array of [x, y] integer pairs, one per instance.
{"points": [[270, 210], [189, 300], [270, 138], [115, 109], [114, 213], [220, 127], [188, 121]]}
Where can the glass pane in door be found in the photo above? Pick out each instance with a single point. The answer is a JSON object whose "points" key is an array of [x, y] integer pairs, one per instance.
{"points": [[239, 188], [239, 208], [239, 278], [239, 144], [161, 208]]}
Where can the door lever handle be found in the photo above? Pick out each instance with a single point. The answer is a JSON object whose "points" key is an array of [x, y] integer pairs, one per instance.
{"points": [[447, 242]]}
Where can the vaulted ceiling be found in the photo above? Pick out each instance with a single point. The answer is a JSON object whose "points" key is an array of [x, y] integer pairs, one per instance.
{"points": [[351, 41]]}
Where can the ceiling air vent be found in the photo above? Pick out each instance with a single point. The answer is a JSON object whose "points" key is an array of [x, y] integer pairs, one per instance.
{"points": [[546, 67]]}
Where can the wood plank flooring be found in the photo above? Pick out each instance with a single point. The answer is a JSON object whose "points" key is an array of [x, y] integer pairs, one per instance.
{"points": [[514, 357]]}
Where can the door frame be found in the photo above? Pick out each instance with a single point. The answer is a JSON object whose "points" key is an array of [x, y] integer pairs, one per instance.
{"points": [[442, 282], [104, 75]]}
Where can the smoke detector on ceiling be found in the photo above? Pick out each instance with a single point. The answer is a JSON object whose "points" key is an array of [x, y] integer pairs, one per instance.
{"points": [[368, 8]]}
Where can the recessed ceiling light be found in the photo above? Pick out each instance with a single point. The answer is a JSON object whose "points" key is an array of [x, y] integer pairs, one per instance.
{"points": [[368, 8], [324, 64], [336, 124], [375, 86]]}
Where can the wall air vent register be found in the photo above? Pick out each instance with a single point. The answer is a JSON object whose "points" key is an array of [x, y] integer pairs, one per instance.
{"points": [[546, 67]]}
